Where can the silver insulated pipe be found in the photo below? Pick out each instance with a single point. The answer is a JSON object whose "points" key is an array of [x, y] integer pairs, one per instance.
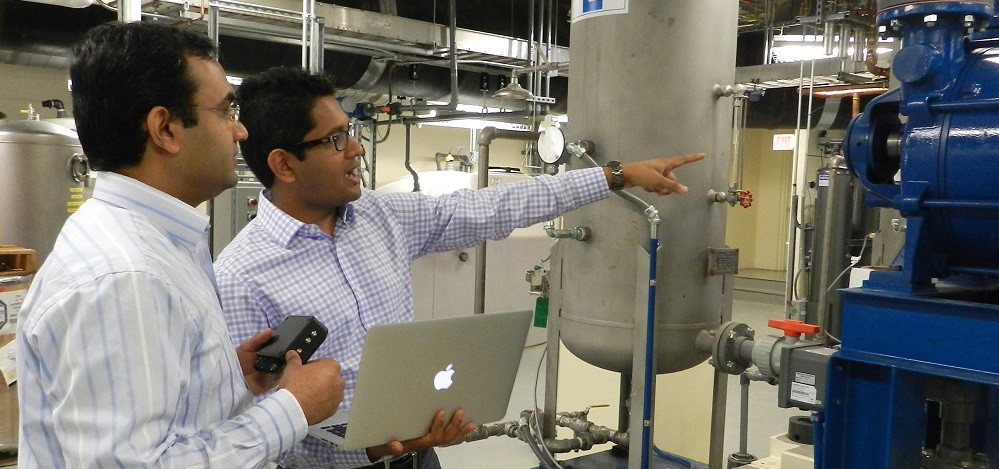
{"points": [[641, 88]]}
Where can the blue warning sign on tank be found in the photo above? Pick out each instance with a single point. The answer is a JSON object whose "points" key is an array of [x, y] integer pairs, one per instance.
{"points": [[592, 5]]}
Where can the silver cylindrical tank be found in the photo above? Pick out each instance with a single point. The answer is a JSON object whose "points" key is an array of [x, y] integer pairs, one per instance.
{"points": [[641, 87], [44, 177]]}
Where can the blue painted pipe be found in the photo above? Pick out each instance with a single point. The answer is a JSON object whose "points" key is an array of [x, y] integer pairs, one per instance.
{"points": [[650, 328]]}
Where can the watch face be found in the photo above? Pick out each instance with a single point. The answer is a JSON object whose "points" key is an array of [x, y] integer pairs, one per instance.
{"points": [[551, 145], [617, 175]]}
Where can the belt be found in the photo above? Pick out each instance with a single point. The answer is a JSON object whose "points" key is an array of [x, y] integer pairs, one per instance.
{"points": [[405, 461]]}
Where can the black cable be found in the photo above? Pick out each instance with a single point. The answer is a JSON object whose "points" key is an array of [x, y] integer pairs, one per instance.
{"points": [[416, 177]]}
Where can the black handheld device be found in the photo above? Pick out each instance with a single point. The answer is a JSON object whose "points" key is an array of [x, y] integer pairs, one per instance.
{"points": [[302, 334]]}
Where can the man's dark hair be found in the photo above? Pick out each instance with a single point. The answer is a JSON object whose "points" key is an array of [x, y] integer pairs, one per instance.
{"points": [[276, 108], [121, 72]]}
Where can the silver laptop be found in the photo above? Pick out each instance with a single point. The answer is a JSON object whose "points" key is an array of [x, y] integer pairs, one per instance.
{"points": [[411, 370]]}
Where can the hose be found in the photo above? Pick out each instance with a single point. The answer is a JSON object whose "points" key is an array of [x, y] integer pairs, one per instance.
{"points": [[689, 463]]}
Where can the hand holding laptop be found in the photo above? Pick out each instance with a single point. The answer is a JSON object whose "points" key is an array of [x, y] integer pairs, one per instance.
{"points": [[440, 434], [405, 376], [317, 385]]}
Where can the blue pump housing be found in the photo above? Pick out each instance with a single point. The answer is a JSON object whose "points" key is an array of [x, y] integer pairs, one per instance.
{"points": [[904, 337], [946, 148]]}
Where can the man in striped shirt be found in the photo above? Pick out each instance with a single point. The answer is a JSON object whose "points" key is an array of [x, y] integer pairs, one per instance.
{"points": [[320, 246], [123, 356]]}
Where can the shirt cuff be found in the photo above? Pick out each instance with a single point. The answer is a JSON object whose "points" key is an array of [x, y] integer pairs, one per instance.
{"points": [[287, 416]]}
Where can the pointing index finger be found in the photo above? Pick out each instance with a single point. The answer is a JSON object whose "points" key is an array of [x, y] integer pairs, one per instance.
{"points": [[684, 159]]}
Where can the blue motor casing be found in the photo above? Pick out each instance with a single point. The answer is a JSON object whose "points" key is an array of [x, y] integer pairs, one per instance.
{"points": [[945, 147]]}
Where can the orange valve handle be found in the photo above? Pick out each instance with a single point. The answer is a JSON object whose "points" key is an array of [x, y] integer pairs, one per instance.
{"points": [[745, 198], [793, 328]]}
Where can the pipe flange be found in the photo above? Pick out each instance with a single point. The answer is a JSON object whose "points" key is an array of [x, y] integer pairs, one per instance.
{"points": [[725, 354]]}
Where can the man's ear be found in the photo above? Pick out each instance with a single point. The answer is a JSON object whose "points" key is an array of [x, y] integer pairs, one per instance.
{"points": [[164, 129], [282, 164]]}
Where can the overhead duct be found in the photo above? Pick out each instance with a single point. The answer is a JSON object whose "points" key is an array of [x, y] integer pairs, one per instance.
{"points": [[43, 35]]}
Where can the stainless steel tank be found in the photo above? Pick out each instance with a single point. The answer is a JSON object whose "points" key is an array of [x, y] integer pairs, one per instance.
{"points": [[44, 177], [641, 87]]}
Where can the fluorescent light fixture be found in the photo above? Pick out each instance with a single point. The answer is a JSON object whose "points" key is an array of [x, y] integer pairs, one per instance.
{"points": [[835, 93], [234, 81], [471, 123], [797, 47], [478, 124], [466, 107], [66, 3]]}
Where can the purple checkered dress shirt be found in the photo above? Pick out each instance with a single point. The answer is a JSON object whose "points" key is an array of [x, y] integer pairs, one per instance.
{"points": [[278, 266]]}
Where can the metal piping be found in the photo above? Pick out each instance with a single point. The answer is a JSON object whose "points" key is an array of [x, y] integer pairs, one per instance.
{"points": [[453, 51], [374, 155], [548, 46], [308, 15], [409, 167], [579, 233], [468, 115], [645, 368], [563, 66], [485, 431], [738, 122], [586, 433], [486, 137], [129, 11]]}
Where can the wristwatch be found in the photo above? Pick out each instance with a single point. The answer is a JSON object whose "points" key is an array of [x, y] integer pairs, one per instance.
{"points": [[617, 175]]}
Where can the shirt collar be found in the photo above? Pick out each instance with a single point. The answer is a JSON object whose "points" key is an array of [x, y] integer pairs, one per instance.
{"points": [[284, 227], [181, 222]]}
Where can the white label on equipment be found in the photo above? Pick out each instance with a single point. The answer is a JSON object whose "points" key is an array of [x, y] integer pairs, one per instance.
{"points": [[823, 180], [803, 393], [804, 378]]}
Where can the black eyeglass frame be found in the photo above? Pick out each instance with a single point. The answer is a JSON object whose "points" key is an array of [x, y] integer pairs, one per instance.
{"points": [[331, 138]]}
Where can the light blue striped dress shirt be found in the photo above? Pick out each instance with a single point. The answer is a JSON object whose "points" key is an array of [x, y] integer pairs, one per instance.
{"points": [[278, 266], [123, 356]]}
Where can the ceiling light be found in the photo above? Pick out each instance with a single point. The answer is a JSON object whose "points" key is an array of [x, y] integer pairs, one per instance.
{"points": [[847, 90], [66, 3], [513, 90]]}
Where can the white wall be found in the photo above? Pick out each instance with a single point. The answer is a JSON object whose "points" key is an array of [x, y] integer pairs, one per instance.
{"points": [[426, 141], [22, 85]]}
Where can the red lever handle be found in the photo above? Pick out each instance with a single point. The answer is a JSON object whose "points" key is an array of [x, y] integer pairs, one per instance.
{"points": [[793, 328]]}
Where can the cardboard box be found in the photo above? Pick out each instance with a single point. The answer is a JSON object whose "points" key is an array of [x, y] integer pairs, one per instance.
{"points": [[15, 261], [12, 292]]}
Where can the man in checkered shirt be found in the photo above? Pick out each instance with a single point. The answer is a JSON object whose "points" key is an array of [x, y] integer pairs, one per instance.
{"points": [[321, 246]]}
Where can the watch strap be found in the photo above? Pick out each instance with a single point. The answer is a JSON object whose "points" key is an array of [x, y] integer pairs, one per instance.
{"points": [[617, 175]]}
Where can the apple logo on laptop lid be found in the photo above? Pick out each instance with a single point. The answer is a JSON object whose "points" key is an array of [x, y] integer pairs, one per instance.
{"points": [[442, 380]]}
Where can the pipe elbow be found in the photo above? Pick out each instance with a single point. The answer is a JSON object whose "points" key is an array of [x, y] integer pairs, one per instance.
{"points": [[486, 135]]}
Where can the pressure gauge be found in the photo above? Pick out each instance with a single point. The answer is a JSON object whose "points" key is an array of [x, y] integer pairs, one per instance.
{"points": [[551, 146]]}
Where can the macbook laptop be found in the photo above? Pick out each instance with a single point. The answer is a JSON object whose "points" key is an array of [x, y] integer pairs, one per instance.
{"points": [[409, 371]]}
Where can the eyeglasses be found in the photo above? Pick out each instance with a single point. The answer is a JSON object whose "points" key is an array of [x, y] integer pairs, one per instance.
{"points": [[231, 111], [338, 139]]}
